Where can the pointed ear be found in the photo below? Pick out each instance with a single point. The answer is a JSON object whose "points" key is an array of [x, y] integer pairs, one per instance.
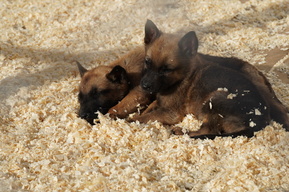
{"points": [[188, 45], [81, 69], [151, 32], [117, 74]]}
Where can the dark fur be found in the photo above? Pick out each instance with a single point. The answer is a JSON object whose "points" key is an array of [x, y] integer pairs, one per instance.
{"points": [[113, 89], [278, 111], [222, 92]]}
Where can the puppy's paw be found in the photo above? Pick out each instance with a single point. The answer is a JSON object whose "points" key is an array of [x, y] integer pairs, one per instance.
{"points": [[177, 131], [113, 113]]}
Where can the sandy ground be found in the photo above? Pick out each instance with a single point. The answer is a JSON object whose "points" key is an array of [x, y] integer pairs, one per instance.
{"points": [[44, 146]]}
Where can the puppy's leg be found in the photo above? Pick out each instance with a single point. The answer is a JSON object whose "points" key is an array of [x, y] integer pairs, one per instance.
{"points": [[211, 125], [177, 130], [165, 116], [214, 127], [136, 98], [151, 107]]}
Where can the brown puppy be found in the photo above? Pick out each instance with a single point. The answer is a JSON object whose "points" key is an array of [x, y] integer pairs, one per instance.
{"points": [[278, 111], [228, 102], [114, 88]]}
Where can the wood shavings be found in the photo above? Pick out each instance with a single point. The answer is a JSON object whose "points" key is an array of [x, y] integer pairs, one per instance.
{"points": [[223, 89], [46, 147], [252, 124], [257, 112], [231, 96]]}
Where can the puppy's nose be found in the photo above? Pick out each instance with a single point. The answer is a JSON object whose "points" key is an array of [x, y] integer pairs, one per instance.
{"points": [[88, 117], [146, 86], [83, 115]]}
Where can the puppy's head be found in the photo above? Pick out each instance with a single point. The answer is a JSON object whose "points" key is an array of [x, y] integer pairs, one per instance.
{"points": [[100, 89], [167, 59]]}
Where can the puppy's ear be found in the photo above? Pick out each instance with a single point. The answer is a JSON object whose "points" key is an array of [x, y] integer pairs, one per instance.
{"points": [[81, 69], [117, 74], [188, 45], [151, 32]]}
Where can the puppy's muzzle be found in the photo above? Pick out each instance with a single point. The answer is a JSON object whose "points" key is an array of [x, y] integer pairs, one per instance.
{"points": [[146, 86], [90, 116], [151, 81]]}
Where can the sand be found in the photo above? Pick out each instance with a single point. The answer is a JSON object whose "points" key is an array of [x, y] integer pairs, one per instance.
{"points": [[44, 146]]}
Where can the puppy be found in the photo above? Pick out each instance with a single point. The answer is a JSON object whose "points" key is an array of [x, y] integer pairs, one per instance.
{"points": [[278, 111], [228, 101], [113, 89]]}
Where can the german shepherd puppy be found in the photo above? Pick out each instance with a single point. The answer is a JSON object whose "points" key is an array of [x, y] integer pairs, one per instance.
{"points": [[113, 89], [228, 101], [278, 111]]}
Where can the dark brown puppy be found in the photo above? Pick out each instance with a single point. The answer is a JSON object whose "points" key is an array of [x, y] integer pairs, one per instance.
{"points": [[278, 111], [228, 101], [113, 89]]}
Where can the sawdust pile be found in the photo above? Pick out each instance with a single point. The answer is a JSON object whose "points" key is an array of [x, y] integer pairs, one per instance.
{"points": [[45, 147]]}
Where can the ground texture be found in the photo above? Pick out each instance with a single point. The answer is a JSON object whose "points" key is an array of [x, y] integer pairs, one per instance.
{"points": [[44, 146]]}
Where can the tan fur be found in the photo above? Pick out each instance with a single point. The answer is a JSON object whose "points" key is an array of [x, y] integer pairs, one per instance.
{"points": [[129, 96], [137, 97], [188, 82]]}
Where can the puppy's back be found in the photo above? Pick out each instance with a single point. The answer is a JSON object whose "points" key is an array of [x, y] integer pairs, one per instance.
{"points": [[278, 111]]}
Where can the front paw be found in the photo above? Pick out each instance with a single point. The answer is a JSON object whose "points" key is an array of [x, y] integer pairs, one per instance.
{"points": [[177, 130], [113, 113]]}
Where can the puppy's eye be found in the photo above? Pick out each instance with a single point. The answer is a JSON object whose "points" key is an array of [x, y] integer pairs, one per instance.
{"points": [[165, 70], [148, 62], [104, 92], [93, 92]]}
